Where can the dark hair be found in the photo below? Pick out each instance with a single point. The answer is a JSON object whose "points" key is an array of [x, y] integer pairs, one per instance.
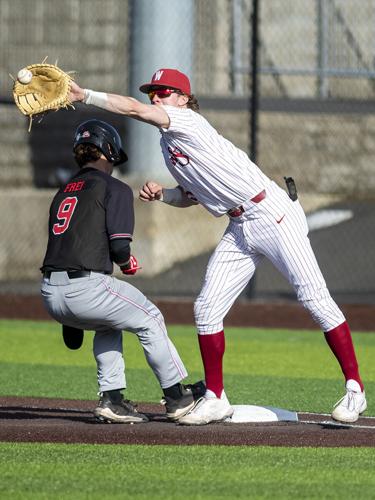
{"points": [[86, 153], [193, 103]]}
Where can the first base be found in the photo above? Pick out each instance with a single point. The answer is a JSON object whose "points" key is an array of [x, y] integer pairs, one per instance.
{"points": [[251, 413]]}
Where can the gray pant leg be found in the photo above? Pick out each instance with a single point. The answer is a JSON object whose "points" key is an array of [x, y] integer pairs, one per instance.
{"points": [[130, 310], [161, 354], [107, 348], [103, 303]]}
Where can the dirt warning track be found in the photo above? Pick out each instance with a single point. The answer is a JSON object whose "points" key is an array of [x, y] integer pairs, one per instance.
{"points": [[69, 421]]}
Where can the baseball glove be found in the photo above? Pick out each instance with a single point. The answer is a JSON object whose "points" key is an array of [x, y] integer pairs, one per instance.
{"points": [[45, 88]]}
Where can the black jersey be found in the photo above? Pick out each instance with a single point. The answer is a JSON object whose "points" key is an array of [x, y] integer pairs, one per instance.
{"points": [[86, 214]]}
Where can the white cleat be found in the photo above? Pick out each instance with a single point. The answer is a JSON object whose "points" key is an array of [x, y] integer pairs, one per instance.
{"points": [[350, 407], [209, 409]]}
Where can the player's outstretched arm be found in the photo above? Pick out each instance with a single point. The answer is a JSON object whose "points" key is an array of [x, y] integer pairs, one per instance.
{"points": [[123, 105]]}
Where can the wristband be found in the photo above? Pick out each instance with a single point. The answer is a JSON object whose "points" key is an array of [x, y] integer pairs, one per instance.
{"points": [[99, 99], [177, 197], [172, 196]]}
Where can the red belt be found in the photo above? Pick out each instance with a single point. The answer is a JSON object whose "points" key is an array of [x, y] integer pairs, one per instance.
{"points": [[237, 211]]}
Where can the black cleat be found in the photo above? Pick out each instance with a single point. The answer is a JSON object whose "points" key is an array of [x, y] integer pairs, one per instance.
{"points": [[198, 389], [189, 396], [113, 408]]}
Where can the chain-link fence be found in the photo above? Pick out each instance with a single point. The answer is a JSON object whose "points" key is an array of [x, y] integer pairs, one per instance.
{"points": [[315, 122]]}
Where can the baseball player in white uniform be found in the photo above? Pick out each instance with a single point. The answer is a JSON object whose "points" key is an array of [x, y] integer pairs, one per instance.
{"points": [[263, 222]]}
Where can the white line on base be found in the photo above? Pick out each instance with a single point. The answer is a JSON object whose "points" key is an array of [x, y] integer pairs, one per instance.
{"points": [[329, 423]]}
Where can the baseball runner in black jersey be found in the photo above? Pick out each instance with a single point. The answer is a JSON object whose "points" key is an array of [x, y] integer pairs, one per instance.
{"points": [[91, 225]]}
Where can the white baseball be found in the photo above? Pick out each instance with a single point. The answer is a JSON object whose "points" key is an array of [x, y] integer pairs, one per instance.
{"points": [[24, 76]]}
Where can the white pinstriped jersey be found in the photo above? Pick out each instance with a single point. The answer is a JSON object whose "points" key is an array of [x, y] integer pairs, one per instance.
{"points": [[204, 163], [221, 176]]}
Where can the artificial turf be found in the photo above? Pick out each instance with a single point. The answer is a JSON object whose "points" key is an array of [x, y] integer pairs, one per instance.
{"points": [[45, 471], [289, 369]]}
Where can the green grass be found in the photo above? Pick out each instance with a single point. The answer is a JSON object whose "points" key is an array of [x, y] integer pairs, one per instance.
{"points": [[290, 369], [45, 471]]}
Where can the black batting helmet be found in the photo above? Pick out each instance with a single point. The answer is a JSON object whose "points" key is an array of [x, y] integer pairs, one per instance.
{"points": [[104, 137]]}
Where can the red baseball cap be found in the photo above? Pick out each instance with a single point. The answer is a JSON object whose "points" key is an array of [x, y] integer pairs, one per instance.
{"points": [[167, 78]]}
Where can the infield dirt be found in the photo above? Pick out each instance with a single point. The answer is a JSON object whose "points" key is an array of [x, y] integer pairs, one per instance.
{"points": [[71, 421]]}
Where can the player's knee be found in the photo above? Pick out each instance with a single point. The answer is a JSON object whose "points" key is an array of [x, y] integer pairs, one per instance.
{"points": [[311, 296], [324, 311], [200, 310], [207, 319]]}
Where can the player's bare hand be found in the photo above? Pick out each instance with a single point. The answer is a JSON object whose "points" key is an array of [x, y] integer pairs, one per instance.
{"points": [[151, 191], [76, 93]]}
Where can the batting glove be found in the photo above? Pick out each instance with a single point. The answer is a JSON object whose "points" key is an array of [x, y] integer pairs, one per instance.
{"points": [[131, 267]]}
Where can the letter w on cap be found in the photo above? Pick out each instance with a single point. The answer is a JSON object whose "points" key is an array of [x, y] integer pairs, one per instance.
{"points": [[158, 75]]}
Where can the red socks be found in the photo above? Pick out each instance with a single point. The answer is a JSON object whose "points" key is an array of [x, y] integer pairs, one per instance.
{"points": [[340, 341], [212, 348]]}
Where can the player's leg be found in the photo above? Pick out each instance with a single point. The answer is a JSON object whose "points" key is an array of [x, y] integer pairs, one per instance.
{"points": [[107, 348], [292, 254], [104, 302], [70, 302], [101, 302], [112, 407], [229, 270], [129, 309]]}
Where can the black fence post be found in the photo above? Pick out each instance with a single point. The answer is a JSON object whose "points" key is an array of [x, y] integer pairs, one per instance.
{"points": [[254, 98], [253, 105]]}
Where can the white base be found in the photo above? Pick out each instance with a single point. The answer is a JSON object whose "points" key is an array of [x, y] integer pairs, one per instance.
{"points": [[251, 413]]}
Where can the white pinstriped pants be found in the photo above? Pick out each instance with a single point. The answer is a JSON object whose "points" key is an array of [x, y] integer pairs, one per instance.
{"points": [[275, 228], [108, 306]]}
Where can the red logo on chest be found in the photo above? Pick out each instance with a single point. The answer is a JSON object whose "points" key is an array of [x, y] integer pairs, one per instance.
{"points": [[177, 156]]}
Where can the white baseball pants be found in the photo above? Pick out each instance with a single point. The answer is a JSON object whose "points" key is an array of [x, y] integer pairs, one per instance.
{"points": [[275, 228]]}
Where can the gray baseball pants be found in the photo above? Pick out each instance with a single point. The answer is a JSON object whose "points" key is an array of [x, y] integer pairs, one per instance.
{"points": [[109, 306]]}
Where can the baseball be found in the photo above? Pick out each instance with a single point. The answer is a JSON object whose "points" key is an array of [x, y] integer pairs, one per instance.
{"points": [[24, 76]]}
